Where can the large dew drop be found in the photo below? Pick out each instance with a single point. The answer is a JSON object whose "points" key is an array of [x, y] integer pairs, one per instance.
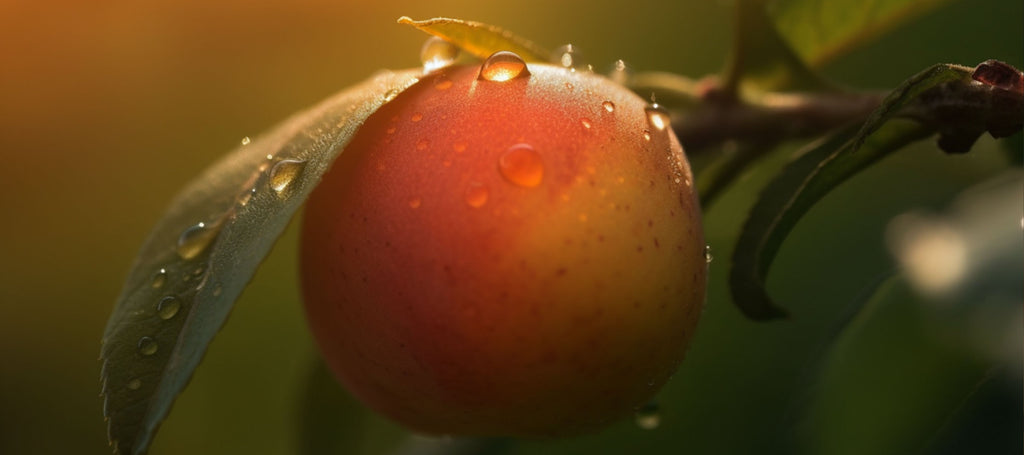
{"points": [[437, 53], [196, 239], [521, 165], [284, 173], [503, 66]]}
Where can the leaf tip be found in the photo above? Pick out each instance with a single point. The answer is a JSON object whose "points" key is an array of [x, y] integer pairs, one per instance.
{"points": [[406, 20]]}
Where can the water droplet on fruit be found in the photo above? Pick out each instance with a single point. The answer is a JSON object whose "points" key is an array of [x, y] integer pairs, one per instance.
{"points": [[168, 307], [437, 53], [619, 73], [568, 56], [657, 116], [134, 384], [442, 83], [422, 144], [195, 239], [707, 254], [476, 194], [284, 173], [647, 135], [648, 417], [503, 66], [147, 346], [521, 165], [415, 203], [246, 140], [586, 123], [459, 147], [159, 279], [416, 117], [608, 106]]}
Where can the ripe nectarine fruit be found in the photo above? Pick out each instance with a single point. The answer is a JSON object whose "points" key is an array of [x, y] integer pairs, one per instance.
{"points": [[506, 251]]}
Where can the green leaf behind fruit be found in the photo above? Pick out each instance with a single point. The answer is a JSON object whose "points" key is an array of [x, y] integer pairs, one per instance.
{"points": [[204, 251], [821, 30], [479, 39], [937, 99], [761, 60]]}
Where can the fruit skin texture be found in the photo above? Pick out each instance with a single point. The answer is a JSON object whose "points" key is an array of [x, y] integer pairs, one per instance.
{"points": [[459, 297]]}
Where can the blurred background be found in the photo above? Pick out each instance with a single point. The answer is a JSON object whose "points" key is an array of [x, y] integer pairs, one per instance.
{"points": [[108, 107]]}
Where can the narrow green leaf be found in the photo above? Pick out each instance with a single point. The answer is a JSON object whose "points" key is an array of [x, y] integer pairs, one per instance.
{"points": [[821, 30], [204, 251], [761, 60], [478, 39], [942, 99]]}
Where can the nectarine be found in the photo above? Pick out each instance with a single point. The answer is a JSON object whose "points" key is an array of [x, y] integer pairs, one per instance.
{"points": [[506, 250]]}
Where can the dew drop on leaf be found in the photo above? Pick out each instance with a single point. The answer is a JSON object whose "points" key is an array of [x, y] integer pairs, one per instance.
{"points": [[147, 346], [168, 307], [134, 384], [159, 279], [503, 66], [284, 173], [521, 165], [196, 239]]}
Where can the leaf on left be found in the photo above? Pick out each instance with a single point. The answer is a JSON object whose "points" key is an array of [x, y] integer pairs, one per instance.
{"points": [[204, 251]]}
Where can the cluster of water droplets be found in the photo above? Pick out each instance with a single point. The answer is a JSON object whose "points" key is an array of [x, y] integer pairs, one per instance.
{"points": [[276, 175]]}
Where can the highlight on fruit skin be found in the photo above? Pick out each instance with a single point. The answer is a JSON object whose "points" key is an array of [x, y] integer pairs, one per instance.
{"points": [[508, 250]]}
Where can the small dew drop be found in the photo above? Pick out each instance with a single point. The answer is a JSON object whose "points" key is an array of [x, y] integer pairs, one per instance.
{"points": [[608, 106], [657, 116], [568, 56], [168, 307], [284, 173], [159, 279], [437, 53], [390, 95], [459, 147], [134, 384], [416, 117], [586, 123], [147, 346], [196, 239], [246, 140], [391, 130], [707, 254], [647, 135], [503, 66], [415, 203], [422, 144], [218, 290], [476, 195], [521, 165], [619, 73], [246, 196], [648, 417], [442, 84]]}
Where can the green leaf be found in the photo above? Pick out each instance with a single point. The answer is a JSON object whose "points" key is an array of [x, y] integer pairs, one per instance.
{"points": [[480, 40], [941, 99], [821, 30], [204, 251], [761, 60]]}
